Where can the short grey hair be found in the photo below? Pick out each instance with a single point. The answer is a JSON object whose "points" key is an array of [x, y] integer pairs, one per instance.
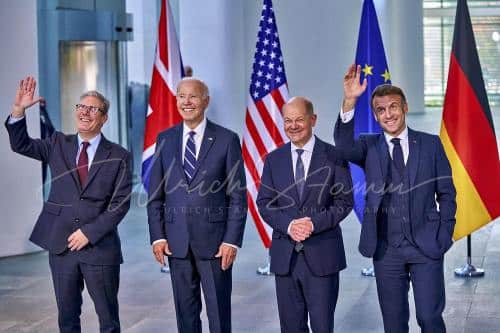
{"points": [[204, 87], [100, 97]]}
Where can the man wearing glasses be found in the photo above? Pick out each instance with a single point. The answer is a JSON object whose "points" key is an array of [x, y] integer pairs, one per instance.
{"points": [[89, 196]]}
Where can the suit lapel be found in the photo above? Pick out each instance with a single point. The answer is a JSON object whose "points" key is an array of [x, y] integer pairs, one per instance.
{"points": [[70, 151], [383, 154], [208, 140], [178, 152], [100, 158], [288, 176], [414, 155], [318, 161]]}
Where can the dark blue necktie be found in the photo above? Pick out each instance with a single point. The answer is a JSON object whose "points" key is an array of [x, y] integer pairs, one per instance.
{"points": [[299, 173], [397, 155], [190, 157]]}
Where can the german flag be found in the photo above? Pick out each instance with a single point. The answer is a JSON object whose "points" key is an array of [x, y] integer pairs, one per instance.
{"points": [[468, 133]]}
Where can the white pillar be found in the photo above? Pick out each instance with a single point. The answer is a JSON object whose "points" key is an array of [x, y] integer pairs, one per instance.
{"points": [[212, 43], [403, 33], [20, 177]]}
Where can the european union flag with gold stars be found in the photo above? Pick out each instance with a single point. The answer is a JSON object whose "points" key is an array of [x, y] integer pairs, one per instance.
{"points": [[370, 56]]}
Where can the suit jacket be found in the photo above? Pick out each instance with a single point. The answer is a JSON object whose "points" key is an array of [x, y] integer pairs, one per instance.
{"points": [[96, 209], [327, 200], [206, 212], [430, 181]]}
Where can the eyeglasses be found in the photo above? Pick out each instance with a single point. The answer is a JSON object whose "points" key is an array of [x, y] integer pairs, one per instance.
{"points": [[90, 108]]}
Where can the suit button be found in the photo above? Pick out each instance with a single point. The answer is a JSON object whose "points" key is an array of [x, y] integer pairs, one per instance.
{"points": [[77, 220]]}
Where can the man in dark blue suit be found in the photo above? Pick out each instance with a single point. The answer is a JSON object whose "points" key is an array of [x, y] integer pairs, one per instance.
{"points": [[305, 192], [410, 205], [89, 196], [197, 209]]}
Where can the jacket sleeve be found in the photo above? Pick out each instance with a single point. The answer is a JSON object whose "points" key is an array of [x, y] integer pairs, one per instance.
{"points": [[342, 202], [22, 143], [348, 148], [156, 193], [236, 193]]}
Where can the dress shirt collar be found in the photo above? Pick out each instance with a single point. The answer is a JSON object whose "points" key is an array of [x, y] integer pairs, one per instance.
{"points": [[94, 142], [403, 136], [309, 146], [200, 129]]}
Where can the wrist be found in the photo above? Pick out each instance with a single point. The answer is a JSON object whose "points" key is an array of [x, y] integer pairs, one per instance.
{"points": [[348, 104], [18, 111]]}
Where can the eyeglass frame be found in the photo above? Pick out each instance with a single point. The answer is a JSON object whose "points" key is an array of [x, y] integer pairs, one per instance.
{"points": [[90, 108]]}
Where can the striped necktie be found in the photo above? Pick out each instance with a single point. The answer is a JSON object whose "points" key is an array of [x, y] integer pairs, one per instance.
{"points": [[190, 157]]}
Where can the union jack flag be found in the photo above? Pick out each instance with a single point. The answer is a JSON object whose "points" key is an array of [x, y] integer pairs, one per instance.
{"points": [[167, 72]]}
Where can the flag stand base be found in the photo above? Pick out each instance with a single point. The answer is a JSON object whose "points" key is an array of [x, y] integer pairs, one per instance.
{"points": [[165, 269], [370, 272], [468, 270], [265, 270]]}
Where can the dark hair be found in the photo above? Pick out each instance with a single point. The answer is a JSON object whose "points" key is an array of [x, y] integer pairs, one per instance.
{"points": [[388, 89]]}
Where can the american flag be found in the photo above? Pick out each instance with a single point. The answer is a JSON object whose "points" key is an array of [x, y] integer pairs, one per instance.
{"points": [[264, 121], [167, 72]]}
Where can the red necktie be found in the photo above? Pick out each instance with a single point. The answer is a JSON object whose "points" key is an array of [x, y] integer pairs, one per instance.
{"points": [[83, 164]]}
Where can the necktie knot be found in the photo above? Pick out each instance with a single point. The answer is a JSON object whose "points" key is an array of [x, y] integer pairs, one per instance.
{"points": [[299, 152], [396, 141], [192, 134], [85, 145]]}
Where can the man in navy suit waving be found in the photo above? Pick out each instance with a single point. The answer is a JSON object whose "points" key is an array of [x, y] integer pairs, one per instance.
{"points": [[197, 209], [410, 205], [305, 193], [89, 196]]}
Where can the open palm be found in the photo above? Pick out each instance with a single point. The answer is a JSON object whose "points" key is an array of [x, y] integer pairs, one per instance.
{"points": [[25, 93], [352, 87]]}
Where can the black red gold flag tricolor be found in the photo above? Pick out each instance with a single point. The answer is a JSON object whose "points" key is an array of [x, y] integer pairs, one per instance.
{"points": [[468, 133]]}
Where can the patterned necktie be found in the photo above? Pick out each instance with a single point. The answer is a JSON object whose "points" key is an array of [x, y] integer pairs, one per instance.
{"points": [[83, 164], [190, 157], [397, 155], [299, 173]]}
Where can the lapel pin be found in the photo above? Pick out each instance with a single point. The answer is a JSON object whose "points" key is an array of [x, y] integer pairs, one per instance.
{"points": [[210, 138]]}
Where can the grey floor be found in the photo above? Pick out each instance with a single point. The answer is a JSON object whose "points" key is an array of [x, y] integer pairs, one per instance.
{"points": [[27, 302]]}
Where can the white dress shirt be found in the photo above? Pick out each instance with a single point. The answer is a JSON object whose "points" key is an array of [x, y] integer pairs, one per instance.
{"points": [[346, 117], [198, 137], [306, 160], [91, 149]]}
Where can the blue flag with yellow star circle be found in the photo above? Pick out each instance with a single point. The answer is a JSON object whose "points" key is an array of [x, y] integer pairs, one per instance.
{"points": [[370, 56]]}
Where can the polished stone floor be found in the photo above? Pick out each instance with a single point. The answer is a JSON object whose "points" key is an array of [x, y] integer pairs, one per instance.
{"points": [[27, 303]]}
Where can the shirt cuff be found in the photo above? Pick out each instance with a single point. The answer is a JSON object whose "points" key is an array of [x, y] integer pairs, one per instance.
{"points": [[289, 226], [13, 120], [346, 116], [159, 241], [232, 245]]}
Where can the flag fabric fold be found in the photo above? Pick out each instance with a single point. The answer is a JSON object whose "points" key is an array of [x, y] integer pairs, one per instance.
{"points": [[370, 55], [468, 133], [167, 72], [263, 120]]}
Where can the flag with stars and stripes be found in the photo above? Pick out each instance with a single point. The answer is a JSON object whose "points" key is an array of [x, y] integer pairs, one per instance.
{"points": [[370, 56], [167, 72], [264, 121]]}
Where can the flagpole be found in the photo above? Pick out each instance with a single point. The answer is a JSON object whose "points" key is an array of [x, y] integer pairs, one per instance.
{"points": [[468, 270]]}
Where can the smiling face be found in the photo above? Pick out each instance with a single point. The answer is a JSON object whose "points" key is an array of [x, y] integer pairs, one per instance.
{"points": [[390, 112], [298, 120], [89, 122], [192, 101]]}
